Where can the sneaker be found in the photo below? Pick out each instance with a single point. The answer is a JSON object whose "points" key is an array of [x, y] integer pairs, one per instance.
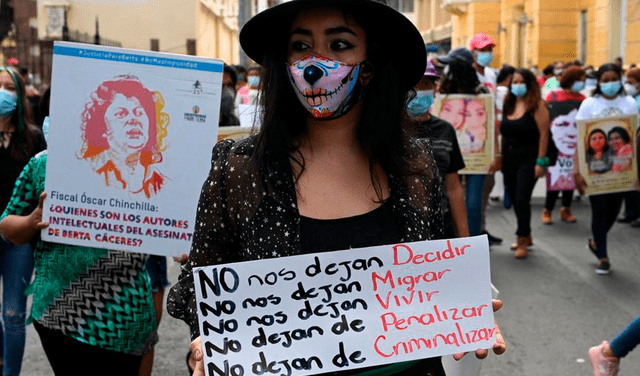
{"points": [[493, 240], [546, 217], [565, 215], [602, 365], [603, 267], [625, 219]]}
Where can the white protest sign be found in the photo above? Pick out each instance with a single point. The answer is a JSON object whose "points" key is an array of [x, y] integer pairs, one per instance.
{"points": [[130, 140], [332, 311], [249, 115]]}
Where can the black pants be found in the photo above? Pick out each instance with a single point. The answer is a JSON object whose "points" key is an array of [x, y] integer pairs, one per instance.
{"points": [[68, 356], [604, 211], [520, 178], [631, 204], [552, 196]]}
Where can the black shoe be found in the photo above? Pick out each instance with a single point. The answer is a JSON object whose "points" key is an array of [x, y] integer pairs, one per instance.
{"points": [[493, 240], [626, 219], [635, 223]]}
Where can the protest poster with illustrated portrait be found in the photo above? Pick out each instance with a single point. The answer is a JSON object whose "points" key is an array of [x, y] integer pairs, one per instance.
{"points": [[130, 142], [607, 153], [473, 118], [564, 132]]}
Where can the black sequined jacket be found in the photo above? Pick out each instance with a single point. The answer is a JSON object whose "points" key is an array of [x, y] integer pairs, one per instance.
{"points": [[247, 214]]}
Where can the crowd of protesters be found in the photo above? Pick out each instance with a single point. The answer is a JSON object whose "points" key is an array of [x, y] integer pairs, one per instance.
{"points": [[526, 104]]}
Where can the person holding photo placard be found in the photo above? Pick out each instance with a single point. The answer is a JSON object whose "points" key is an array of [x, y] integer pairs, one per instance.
{"points": [[332, 167], [563, 104], [461, 78], [20, 140], [609, 99]]}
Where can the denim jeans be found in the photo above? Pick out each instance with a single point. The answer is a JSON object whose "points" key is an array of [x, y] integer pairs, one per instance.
{"points": [[474, 186], [627, 340], [16, 267]]}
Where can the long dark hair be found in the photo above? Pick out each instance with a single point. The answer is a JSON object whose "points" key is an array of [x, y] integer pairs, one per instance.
{"points": [[27, 139], [604, 69], [381, 132], [460, 78], [624, 135], [531, 99]]}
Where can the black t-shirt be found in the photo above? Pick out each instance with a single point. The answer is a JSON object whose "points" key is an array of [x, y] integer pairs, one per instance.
{"points": [[10, 169], [445, 144]]}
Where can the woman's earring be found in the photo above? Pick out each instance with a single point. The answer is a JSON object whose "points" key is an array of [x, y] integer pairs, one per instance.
{"points": [[366, 73]]}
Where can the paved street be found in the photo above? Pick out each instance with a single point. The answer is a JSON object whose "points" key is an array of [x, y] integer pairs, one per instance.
{"points": [[556, 307]]}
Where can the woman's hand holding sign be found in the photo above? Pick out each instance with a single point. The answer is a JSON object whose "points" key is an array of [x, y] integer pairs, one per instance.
{"points": [[196, 359], [499, 347], [21, 229]]}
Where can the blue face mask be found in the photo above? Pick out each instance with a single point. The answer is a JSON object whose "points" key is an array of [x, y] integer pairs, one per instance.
{"points": [[484, 58], [45, 128], [577, 86], [611, 89], [8, 102], [253, 81], [519, 90], [421, 104]]}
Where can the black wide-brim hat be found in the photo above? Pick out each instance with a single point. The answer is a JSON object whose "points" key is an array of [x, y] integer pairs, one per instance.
{"points": [[400, 39]]}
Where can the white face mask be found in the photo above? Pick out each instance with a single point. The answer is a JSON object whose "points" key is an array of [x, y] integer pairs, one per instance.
{"points": [[631, 89]]}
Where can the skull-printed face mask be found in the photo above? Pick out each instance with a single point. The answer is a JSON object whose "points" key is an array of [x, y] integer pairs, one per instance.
{"points": [[325, 87]]}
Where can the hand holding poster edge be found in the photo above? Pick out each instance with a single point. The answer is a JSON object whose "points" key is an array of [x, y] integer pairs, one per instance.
{"points": [[226, 280]]}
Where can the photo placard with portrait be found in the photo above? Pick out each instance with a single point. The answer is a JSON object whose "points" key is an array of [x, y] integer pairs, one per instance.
{"points": [[564, 133], [130, 140], [607, 153], [473, 118]]}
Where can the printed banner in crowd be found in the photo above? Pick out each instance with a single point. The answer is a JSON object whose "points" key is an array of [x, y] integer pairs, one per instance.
{"points": [[473, 118], [332, 311], [130, 142], [564, 132], [606, 153]]}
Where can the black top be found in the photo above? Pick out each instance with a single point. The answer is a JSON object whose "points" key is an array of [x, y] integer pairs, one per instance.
{"points": [[520, 135], [446, 150], [10, 169], [373, 228]]}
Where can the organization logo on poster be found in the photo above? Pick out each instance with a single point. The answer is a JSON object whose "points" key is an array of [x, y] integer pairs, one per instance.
{"points": [[195, 116], [196, 88]]}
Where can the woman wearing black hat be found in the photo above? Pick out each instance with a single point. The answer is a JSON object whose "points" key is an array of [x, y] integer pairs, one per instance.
{"points": [[331, 168]]}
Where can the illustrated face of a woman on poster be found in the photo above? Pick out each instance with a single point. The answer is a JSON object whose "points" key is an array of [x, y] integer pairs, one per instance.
{"points": [[597, 140], [565, 133], [453, 111], [127, 124]]}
